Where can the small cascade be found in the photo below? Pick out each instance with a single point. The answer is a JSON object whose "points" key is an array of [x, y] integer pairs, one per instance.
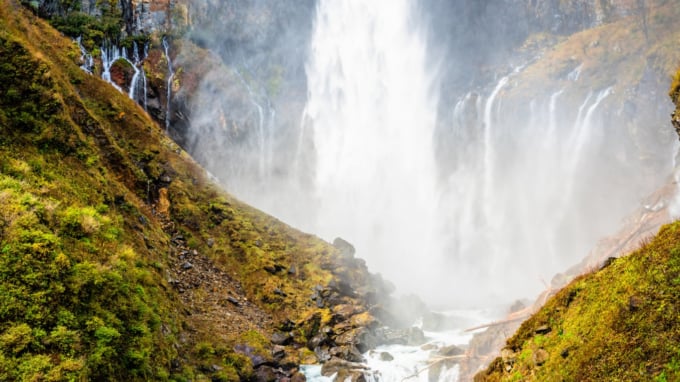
{"points": [[266, 116], [489, 134], [552, 115], [86, 58], [584, 130], [582, 135], [138, 84], [575, 74], [171, 75], [111, 54]]}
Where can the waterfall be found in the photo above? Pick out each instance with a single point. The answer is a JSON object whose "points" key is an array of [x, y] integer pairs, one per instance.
{"points": [[517, 182], [266, 116], [136, 92], [489, 157], [372, 115], [110, 54], [171, 75], [86, 58]]}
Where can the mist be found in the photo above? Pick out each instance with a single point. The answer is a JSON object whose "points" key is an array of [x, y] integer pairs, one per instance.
{"points": [[419, 132]]}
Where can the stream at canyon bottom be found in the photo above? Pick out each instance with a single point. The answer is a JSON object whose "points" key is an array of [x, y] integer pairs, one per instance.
{"points": [[412, 363]]}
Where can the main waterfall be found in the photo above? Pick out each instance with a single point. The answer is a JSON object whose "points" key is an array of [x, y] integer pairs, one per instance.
{"points": [[465, 193], [371, 114]]}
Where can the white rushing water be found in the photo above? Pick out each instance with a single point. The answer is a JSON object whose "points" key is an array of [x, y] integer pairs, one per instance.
{"points": [[171, 76], [110, 54], [395, 363], [372, 113]]}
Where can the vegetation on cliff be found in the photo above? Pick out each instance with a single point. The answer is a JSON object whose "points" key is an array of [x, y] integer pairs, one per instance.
{"points": [[119, 259], [619, 323]]}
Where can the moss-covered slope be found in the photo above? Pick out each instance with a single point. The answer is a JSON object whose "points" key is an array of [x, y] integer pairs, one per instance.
{"points": [[119, 259], [621, 323]]}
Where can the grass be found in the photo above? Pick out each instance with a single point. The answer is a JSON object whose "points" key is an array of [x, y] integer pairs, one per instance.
{"points": [[620, 323]]}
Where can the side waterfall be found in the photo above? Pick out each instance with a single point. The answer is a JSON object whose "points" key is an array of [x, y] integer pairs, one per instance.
{"points": [[110, 54], [171, 76]]}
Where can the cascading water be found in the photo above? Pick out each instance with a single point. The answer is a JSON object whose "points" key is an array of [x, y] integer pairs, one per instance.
{"points": [[372, 114], [111, 54], [171, 76], [85, 57]]}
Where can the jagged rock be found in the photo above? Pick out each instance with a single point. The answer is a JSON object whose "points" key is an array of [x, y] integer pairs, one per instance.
{"points": [[385, 356], [344, 288], [450, 351], [187, 265], [248, 351], [286, 325], [540, 356], [279, 338], [362, 338], [233, 301], [347, 352], [337, 365], [352, 376], [543, 329], [317, 340], [343, 312], [322, 354], [508, 356], [607, 262], [278, 352], [270, 269], [365, 320], [266, 373], [346, 249]]}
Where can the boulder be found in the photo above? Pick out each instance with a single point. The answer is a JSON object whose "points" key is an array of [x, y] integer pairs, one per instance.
{"points": [[450, 351], [346, 249], [385, 356], [540, 357], [361, 338], [347, 368], [318, 340], [279, 338], [347, 352]]}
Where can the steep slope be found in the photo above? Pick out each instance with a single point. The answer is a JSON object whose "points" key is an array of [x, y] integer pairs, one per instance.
{"points": [[619, 323], [120, 260]]}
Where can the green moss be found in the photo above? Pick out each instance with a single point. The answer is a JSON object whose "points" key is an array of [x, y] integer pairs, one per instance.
{"points": [[621, 323]]}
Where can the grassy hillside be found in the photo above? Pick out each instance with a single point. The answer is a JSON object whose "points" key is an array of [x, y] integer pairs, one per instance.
{"points": [[119, 259], [621, 323]]}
